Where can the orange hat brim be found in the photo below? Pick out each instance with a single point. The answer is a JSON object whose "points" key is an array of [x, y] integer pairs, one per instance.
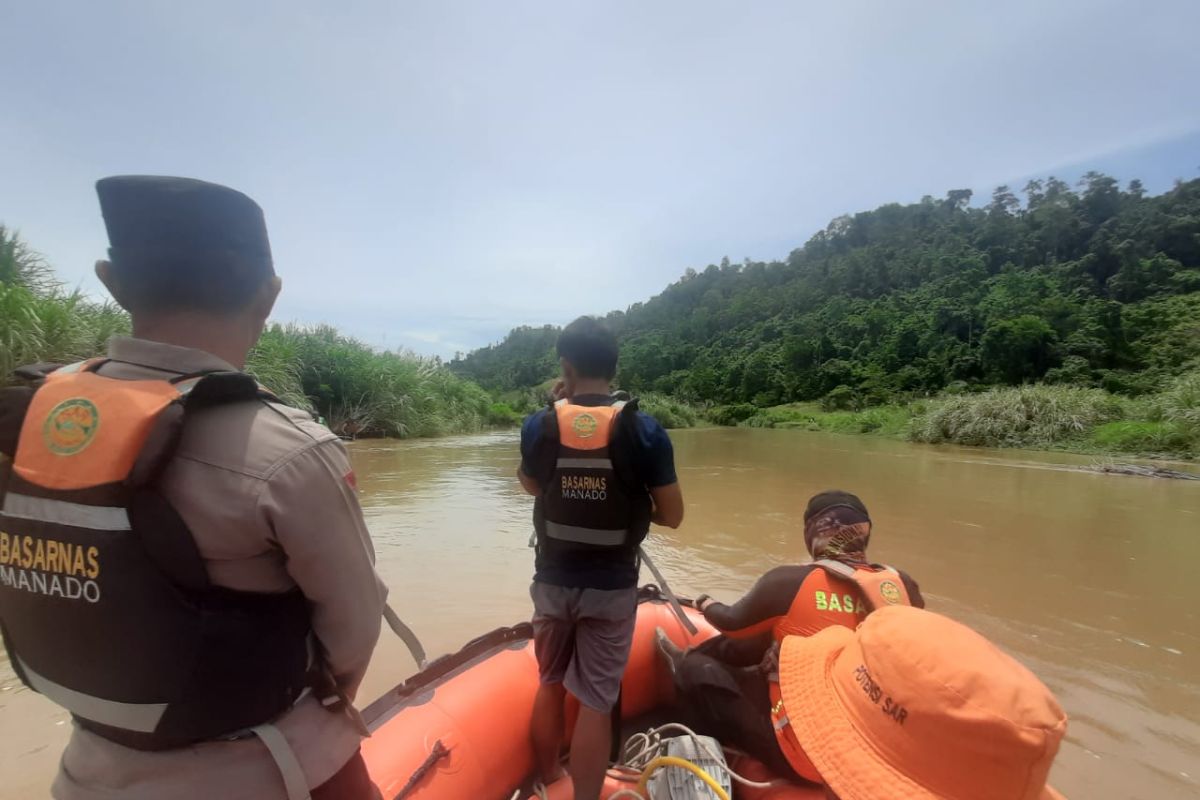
{"points": [[847, 762]]}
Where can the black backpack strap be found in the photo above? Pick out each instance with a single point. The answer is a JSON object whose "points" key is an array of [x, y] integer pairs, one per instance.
{"points": [[196, 392], [545, 457], [36, 373], [163, 533], [14, 403], [625, 444], [627, 416], [206, 389]]}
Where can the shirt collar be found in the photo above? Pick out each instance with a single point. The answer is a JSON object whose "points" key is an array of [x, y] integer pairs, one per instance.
{"points": [[165, 357]]}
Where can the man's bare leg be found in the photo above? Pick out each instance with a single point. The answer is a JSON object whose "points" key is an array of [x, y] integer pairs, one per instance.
{"points": [[589, 752], [546, 730]]}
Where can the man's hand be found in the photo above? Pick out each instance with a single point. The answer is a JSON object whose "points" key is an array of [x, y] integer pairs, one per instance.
{"points": [[703, 602], [560, 390], [528, 484]]}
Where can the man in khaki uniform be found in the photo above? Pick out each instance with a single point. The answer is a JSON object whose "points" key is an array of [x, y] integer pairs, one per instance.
{"points": [[267, 493]]}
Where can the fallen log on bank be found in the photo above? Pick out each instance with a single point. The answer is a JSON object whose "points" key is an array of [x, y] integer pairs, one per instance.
{"points": [[1144, 471]]}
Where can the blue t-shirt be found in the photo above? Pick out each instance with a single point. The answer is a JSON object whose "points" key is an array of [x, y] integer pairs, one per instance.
{"points": [[654, 464]]}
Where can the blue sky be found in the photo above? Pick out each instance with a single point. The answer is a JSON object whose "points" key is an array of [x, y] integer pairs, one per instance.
{"points": [[434, 173]]}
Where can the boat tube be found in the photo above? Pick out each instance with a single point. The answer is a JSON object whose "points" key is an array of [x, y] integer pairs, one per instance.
{"points": [[460, 728]]}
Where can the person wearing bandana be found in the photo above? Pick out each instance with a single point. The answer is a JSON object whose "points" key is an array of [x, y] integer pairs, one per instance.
{"points": [[725, 682]]}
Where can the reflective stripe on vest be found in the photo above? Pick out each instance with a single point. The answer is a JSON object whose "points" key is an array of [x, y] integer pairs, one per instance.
{"points": [[140, 717], [785, 735], [585, 463], [61, 512], [574, 533]]}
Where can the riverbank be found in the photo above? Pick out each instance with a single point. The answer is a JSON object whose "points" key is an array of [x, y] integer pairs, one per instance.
{"points": [[1037, 417]]}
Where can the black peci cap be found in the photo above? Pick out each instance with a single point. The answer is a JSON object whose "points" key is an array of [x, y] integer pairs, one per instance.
{"points": [[831, 499], [156, 221]]}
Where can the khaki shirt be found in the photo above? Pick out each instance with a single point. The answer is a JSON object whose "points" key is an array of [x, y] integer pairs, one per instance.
{"points": [[268, 496]]}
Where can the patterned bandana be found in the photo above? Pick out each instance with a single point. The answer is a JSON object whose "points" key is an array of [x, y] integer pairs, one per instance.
{"points": [[840, 533]]}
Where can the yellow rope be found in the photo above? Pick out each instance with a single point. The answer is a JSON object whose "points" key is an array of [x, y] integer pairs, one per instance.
{"points": [[672, 761]]}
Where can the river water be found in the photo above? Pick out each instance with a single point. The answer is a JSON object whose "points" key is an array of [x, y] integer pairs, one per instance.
{"points": [[1088, 579]]}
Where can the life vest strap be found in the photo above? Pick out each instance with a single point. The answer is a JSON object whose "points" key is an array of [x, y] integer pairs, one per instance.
{"points": [[285, 760], [837, 568], [90, 365], [876, 584], [687, 624], [406, 635]]}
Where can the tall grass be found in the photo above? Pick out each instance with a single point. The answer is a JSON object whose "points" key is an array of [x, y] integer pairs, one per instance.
{"points": [[53, 327], [21, 265], [1037, 416], [358, 391], [361, 391], [1023, 416], [669, 412], [881, 420], [1180, 402]]}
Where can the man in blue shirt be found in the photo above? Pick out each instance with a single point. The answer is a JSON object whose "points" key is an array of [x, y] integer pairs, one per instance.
{"points": [[601, 471]]}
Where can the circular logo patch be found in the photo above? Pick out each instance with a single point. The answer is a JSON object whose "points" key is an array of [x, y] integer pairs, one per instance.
{"points": [[585, 426], [71, 426], [890, 592]]}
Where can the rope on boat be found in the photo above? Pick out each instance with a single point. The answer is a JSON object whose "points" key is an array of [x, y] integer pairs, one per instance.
{"points": [[645, 753], [438, 752], [666, 589], [406, 635], [682, 763]]}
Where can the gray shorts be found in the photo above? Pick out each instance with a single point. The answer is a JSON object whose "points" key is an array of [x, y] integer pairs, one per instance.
{"points": [[582, 639]]}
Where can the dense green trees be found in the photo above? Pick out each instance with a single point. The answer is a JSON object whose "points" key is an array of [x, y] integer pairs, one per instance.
{"points": [[1093, 286]]}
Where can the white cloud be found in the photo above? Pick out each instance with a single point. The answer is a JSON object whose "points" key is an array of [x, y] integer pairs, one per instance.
{"points": [[450, 170]]}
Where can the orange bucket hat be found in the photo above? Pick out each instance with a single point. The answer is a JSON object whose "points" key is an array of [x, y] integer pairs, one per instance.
{"points": [[915, 706]]}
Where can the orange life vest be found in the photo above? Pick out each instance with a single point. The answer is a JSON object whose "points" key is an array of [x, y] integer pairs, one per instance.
{"points": [[836, 594], [589, 502], [839, 594], [105, 602]]}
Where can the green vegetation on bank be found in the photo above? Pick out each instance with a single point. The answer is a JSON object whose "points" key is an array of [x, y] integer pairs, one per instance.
{"points": [[57, 327], [882, 420], [1095, 288], [1098, 288], [358, 390], [1037, 416], [670, 412]]}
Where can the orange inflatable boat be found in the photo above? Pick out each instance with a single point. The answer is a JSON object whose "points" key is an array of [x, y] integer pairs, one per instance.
{"points": [[459, 729]]}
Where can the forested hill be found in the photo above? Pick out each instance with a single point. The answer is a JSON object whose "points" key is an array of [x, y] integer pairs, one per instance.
{"points": [[1095, 285]]}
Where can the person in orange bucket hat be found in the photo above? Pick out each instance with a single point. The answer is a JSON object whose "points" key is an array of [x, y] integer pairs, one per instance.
{"points": [[915, 706]]}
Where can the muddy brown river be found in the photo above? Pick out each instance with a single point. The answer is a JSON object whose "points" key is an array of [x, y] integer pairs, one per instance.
{"points": [[1089, 579]]}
